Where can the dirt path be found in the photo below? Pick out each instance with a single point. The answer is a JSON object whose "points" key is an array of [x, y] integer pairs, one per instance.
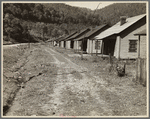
{"points": [[59, 87]]}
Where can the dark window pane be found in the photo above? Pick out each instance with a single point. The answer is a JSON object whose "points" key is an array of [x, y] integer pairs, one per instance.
{"points": [[132, 45]]}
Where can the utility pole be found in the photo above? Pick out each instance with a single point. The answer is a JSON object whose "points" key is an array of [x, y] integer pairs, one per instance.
{"points": [[85, 35], [97, 39], [96, 9]]}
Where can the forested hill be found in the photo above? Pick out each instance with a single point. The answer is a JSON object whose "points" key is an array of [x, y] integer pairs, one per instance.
{"points": [[72, 10], [22, 21], [111, 14]]}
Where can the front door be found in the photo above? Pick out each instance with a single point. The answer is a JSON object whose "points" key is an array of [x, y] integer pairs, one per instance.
{"points": [[72, 43], [109, 46], [84, 43], [64, 44]]}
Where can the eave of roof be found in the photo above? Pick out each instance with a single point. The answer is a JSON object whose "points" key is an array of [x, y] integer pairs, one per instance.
{"points": [[69, 36], [60, 38], [91, 32], [78, 34], [141, 32]]}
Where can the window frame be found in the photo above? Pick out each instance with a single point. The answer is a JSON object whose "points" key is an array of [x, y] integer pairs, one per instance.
{"points": [[133, 46], [98, 47]]}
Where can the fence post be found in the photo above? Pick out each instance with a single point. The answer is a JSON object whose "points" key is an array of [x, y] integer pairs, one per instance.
{"points": [[143, 72], [138, 73]]}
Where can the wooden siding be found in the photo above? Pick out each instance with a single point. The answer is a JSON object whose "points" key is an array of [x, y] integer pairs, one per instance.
{"points": [[124, 44], [143, 46], [62, 44], [91, 46], [75, 45], [55, 43], [117, 47], [88, 45], [68, 44], [94, 50], [79, 45]]}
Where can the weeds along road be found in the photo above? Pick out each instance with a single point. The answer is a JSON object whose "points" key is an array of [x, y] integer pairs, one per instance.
{"points": [[55, 86]]}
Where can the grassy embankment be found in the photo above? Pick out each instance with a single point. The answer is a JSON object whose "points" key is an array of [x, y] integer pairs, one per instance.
{"points": [[10, 83]]}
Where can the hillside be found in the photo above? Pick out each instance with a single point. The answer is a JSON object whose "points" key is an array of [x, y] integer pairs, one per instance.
{"points": [[111, 14], [22, 21]]}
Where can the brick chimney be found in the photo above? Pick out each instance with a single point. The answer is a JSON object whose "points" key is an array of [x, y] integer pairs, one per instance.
{"points": [[92, 28], [123, 20]]}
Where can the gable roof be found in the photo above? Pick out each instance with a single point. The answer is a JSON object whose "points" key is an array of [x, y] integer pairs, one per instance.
{"points": [[116, 29], [60, 38], [141, 32], [78, 34], [50, 40], [92, 32], [69, 36]]}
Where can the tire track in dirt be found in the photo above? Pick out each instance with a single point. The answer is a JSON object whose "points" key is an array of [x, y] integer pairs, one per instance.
{"points": [[77, 86], [77, 67], [56, 100], [109, 99]]}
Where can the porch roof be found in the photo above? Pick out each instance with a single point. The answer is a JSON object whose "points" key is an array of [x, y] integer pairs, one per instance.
{"points": [[141, 32]]}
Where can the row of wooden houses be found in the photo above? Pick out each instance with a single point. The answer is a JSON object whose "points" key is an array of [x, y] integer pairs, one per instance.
{"points": [[120, 40]]}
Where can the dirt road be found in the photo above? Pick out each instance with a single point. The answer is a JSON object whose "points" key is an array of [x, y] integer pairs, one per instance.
{"points": [[55, 86]]}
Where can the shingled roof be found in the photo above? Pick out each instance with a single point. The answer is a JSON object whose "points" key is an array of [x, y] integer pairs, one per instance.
{"points": [[117, 28], [69, 36], [93, 32], [77, 35], [72, 37], [59, 39]]}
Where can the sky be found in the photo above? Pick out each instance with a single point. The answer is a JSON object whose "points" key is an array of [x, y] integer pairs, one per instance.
{"points": [[90, 5]]}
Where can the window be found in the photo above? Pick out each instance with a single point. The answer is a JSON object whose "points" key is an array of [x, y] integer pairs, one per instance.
{"points": [[132, 45], [97, 44]]}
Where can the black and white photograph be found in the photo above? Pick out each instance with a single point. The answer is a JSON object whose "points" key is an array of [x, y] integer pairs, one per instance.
{"points": [[74, 59]]}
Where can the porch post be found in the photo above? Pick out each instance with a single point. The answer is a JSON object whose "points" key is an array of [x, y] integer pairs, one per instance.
{"points": [[97, 47], [91, 47], [139, 47], [87, 50], [119, 40], [102, 48], [78, 45]]}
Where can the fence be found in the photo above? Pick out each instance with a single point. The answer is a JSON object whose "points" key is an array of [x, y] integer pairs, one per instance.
{"points": [[141, 73]]}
